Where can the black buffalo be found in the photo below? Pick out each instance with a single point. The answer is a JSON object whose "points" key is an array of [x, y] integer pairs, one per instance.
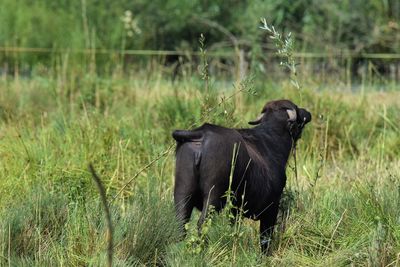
{"points": [[204, 158]]}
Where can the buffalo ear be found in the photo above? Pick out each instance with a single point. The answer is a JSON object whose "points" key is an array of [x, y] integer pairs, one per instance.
{"points": [[258, 120]]}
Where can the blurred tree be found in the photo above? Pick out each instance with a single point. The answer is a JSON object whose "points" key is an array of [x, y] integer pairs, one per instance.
{"points": [[325, 26]]}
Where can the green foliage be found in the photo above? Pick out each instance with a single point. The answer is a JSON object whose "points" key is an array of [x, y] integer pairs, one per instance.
{"points": [[329, 26], [49, 207], [285, 49], [352, 25], [145, 230], [343, 211], [33, 223]]}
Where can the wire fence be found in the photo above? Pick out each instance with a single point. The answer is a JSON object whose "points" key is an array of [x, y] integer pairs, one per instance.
{"points": [[344, 64], [347, 54]]}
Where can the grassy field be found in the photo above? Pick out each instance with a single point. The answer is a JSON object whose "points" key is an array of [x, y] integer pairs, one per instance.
{"points": [[343, 211]]}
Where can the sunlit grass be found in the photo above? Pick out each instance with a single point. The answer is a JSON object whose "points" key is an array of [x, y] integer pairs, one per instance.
{"points": [[346, 210]]}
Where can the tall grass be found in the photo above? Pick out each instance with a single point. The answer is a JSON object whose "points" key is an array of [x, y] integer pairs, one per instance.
{"points": [[346, 210]]}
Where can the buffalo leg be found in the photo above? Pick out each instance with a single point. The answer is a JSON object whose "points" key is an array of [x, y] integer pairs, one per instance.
{"points": [[267, 223], [183, 208], [213, 198], [185, 190]]}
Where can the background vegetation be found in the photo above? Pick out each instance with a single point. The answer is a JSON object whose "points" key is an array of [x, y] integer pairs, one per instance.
{"points": [[343, 31], [358, 25], [61, 110]]}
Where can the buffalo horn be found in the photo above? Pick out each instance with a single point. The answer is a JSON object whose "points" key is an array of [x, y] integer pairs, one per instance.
{"points": [[292, 114], [258, 120]]}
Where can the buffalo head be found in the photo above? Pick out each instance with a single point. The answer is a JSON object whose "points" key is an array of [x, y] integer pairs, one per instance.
{"points": [[286, 114]]}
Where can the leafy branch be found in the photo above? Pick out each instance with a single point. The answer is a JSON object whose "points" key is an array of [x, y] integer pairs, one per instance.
{"points": [[285, 47]]}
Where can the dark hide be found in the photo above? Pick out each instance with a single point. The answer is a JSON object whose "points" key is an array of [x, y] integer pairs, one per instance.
{"points": [[204, 157]]}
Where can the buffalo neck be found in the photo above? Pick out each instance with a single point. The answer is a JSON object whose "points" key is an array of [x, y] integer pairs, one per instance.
{"points": [[270, 140]]}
